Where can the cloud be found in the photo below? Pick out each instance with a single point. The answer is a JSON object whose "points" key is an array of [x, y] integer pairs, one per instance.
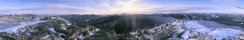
{"points": [[105, 7], [114, 7], [43, 0], [49, 10], [227, 1], [178, 9], [122, 6], [239, 7]]}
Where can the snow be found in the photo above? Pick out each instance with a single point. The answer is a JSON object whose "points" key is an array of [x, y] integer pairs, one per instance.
{"points": [[224, 33], [242, 36], [191, 39], [63, 26], [61, 34], [217, 33], [28, 33], [154, 32], [52, 29], [87, 20], [80, 37], [186, 35], [46, 37], [68, 23], [94, 31], [22, 25], [195, 26]]}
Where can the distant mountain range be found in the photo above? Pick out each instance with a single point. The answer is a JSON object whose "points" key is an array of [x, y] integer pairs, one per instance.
{"points": [[171, 26]]}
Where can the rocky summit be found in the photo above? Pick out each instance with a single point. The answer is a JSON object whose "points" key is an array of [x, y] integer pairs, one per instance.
{"points": [[173, 26]]}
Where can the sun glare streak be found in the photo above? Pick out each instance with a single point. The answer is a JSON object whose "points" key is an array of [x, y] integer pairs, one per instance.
{"points": [[123, 6]]}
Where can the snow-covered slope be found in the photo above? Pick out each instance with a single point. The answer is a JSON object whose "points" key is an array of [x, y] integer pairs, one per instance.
{"points": [[22, 25], [190, 30], [12, 23], [193, 28]]}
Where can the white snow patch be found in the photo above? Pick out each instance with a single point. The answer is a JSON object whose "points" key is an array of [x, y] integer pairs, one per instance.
{"points": [[68, 23], [63, 26], [186, 35], [81, 37], [61, 34], [28, 34], [46, 37], [52, 29], [220, 34], [33, 30], [62, 38], [14, 29], [191, 39], [157, 30], [93, 32], [217, 33], [195, 26], [87, 20], [242, 36]]}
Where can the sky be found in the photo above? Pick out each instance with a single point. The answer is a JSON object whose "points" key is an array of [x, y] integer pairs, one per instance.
{"points": [[51, 7]]}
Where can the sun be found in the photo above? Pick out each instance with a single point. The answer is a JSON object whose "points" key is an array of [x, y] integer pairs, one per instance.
{"points": [[125, 6], [130, 7]]}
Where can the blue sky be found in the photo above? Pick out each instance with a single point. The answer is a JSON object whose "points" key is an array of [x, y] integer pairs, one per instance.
{"points": [[119, 6]]}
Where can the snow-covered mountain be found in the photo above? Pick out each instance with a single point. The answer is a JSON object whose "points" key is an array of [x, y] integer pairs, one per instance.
{"points": [[122, 27], [11, 23]]}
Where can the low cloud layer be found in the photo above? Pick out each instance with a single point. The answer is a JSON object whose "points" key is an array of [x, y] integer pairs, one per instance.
{"points": [[52, 10]]}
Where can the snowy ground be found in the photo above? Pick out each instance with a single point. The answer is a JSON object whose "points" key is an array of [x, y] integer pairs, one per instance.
{"points": [[52, 29], [220, 32], [14, 29]]}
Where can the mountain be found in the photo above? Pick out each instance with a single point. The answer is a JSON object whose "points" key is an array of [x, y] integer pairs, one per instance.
{"points": [[173, 26]]}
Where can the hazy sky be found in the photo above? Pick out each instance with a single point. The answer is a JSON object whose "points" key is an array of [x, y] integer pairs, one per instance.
{"points": [[119, 6]]}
